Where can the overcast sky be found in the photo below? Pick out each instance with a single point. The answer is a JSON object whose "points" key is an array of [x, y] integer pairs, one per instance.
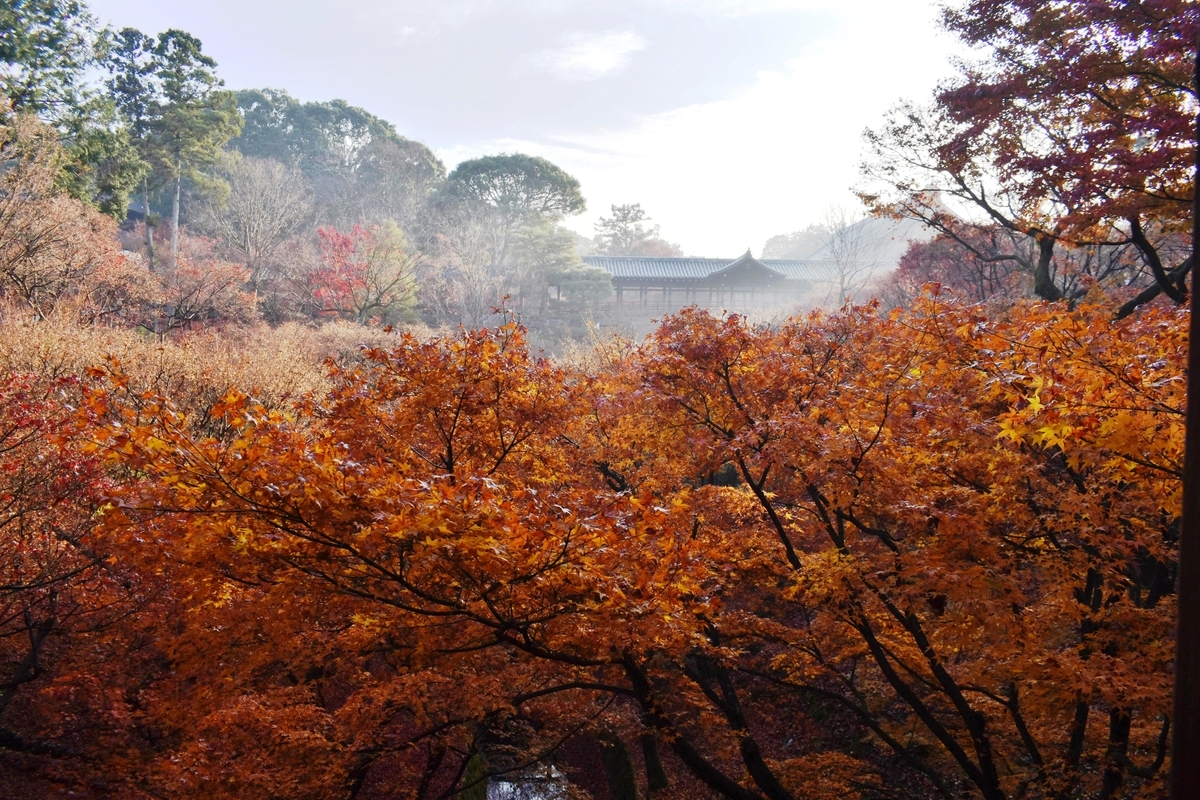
{"points": [[728, 120]]}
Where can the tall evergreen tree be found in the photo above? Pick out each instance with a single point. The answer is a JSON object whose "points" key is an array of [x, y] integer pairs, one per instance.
{"points": [[129, 60], [47, 48], [196, 116]]}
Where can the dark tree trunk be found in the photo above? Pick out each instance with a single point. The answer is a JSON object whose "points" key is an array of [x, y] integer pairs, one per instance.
{"points": [[1185, 766], [175, 218], [618, 768], [1043, 285], [656, 776], [146, 219]]}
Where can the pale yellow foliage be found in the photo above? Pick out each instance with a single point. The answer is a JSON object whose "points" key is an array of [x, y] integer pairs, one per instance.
{"points": [[193, 370]]}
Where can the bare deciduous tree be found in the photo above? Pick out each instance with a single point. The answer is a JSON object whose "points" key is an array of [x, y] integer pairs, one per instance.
{"points": [[460, 282], [50, 244], [268, 204], [393, 182], [854, 249]]}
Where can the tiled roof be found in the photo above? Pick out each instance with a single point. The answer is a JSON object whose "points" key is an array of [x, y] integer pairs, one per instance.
{"points": [[802, 270], [635, 267], [701, 268]]}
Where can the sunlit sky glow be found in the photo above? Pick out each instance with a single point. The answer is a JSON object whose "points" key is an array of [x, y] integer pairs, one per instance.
{"points": [[728, 120]]}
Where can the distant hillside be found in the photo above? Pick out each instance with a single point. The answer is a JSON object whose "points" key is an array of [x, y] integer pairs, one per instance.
{"points": [[799, 244], [884, 241]]}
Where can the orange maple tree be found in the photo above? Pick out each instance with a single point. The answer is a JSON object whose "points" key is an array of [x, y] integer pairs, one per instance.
{"points": [[67, 607], [929, 553]]}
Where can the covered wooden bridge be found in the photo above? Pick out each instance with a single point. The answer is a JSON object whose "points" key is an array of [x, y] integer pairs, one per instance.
{"points": [[647, 286]]}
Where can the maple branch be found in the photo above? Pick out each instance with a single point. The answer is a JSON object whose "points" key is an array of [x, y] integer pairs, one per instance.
{"points": [[920, 679], [857, 460], [704, 419], [878, 533], [616, 481], [447, 436], [701, 767], [1159, 756], [1013, 705], [49, 580], [1174, 472], [29, 669], [432, 765], [1018, 718], [974, 721], [990, 790], [1118, 744], [868, 719], [1150, 253], [447, 608], [463, 761], [836, 532], [728, 703], [566, 687], [1043, 283], [523, 641], [1163, 81], [938, 223], [692, 669], [17, 743], [418, 737], [1175, 276], [776, 522], [725, 377]]}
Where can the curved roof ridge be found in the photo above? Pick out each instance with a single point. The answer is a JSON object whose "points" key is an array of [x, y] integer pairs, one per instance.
{"points": [[702, 268], [746, 259]]}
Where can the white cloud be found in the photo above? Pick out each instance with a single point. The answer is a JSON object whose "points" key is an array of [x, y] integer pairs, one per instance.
{"points": [[588, 57], [723, 176], [743, 8]]}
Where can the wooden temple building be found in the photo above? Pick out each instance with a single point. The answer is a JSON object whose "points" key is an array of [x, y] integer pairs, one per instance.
{"points": [[653, 286]]}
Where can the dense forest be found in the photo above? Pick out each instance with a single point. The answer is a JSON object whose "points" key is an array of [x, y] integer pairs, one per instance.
{"points": [[293, 502], [316, 211]]}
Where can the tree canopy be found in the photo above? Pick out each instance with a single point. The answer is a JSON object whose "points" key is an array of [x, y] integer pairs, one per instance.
{"points": [[625, 234], [1072, 129], [46, 48], [928, 579], [517, 186], [48, 51], [314, 136], [361, 169]]}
